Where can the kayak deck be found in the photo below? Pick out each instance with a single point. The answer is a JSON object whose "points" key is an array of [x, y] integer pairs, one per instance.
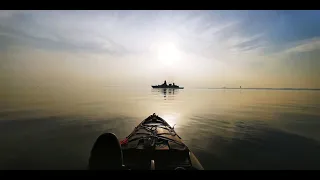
{"points": [[154, 143]]}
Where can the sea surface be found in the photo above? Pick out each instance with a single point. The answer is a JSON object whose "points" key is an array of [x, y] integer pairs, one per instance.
{"points": [[55, 128]]}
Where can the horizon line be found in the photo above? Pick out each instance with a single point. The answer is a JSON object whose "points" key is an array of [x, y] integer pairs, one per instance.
{"points": [[316, 89], [252, 88]]}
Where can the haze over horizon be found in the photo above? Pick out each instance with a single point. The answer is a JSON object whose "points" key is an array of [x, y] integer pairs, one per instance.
{"points": [[259, 49]]}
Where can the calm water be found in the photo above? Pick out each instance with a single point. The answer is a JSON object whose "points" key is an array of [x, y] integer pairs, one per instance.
{"points": [[55, 128]]}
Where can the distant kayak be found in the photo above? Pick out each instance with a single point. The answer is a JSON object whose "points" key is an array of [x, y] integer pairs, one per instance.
{"points": [[154, 144]]}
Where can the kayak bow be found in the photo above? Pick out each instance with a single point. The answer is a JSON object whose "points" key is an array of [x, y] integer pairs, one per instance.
{"points": [[154, 144]]}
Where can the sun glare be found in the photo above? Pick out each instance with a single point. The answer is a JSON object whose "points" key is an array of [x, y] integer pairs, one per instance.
{"points": [[168, 54], [171, 118]]}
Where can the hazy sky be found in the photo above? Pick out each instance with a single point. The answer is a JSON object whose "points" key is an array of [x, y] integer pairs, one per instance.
{"points": [[192, 48]]}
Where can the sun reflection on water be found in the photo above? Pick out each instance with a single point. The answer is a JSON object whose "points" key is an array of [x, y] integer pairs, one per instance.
{"points": [[171, 118]]}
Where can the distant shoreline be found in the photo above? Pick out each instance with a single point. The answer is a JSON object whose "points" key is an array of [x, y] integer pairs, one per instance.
{"points": [[305, 89]]}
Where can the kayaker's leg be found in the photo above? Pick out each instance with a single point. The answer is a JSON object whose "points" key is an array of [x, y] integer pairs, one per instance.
{"points": [[106, 153]]}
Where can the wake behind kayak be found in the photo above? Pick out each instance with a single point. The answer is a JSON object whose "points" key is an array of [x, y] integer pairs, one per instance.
{"points": [[153, 145]]}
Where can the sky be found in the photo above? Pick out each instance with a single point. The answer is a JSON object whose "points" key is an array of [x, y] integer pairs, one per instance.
{"points": [[141, 48]]}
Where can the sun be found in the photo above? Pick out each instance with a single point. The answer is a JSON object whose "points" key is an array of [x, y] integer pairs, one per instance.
{"points": [[168, 53]]}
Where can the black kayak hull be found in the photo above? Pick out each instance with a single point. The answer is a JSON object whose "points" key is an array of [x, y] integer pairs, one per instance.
{"points": [[154, 143]]}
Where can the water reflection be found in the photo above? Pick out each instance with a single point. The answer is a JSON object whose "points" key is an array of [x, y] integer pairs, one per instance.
{"points": [[257, 129], [168, 93]]}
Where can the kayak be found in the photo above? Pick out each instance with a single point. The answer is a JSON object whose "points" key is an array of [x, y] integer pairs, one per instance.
{"points": [[154, 145]]}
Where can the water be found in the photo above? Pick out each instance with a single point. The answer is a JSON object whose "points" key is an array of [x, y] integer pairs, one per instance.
{"points": [[55, 128]]}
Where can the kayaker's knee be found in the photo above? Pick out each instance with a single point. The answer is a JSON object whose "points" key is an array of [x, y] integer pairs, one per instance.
{"points": [[106, 153]]}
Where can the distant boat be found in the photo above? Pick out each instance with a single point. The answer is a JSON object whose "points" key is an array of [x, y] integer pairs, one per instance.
{"points": [[165, 85]]}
